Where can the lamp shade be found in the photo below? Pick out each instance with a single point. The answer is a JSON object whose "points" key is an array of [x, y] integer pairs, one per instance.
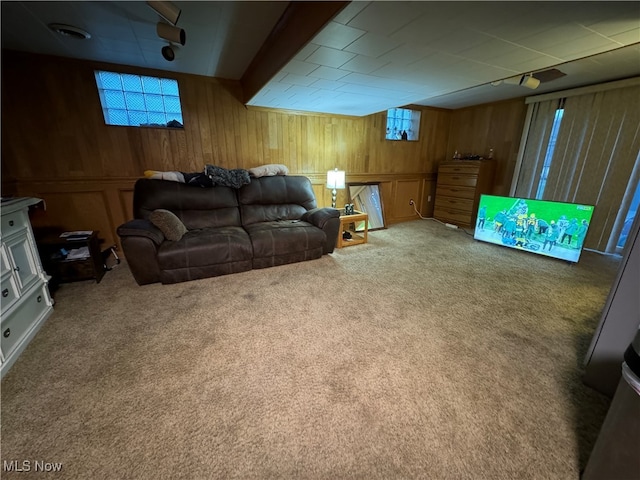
{"points": [[335, 179]]}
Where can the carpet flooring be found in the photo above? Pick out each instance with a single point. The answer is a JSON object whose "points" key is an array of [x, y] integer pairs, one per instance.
{"points": [[422, 354]]}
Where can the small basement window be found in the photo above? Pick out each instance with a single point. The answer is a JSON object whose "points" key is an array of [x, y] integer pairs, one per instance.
{"points": [[139, 101], [403, 124]]}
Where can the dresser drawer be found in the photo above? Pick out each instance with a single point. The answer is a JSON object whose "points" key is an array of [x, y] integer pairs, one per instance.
{"points": [[458, 180], [10, 292], [457, 217], [455, 191], [22, 318], [12, 222], [463, 204], [460, 168]]}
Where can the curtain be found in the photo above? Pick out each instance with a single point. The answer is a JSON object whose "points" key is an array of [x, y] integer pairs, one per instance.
{"points": [[593, 161]]}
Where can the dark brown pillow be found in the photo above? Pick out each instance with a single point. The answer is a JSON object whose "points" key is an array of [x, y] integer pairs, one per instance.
{"points": [[170, 225]]}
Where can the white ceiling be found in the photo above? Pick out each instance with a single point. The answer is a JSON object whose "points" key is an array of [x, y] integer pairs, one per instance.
{"points": [[372, 56]]}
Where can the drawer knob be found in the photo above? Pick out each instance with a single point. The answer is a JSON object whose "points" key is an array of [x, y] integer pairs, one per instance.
{"points": [[5, 292], [39, 298], [6, 333], [11, 223]]}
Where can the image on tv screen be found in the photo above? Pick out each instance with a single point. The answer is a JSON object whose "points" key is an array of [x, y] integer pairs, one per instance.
{"points": [[553, 229]]}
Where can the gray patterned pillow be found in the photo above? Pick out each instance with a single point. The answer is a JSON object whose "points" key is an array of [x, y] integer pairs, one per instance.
{"points": [[170, 225]]}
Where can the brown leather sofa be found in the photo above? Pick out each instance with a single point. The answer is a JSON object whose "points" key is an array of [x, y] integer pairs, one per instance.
{"points": [[271, 221]]}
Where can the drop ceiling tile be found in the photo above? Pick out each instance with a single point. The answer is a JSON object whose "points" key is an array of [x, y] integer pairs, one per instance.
{"points": [[382, 83], [612, 27], [362, 64], [627, 38], [554, 36], [406, 54], [572, 49], [517, 57], [437, 60], [460, 42], [372, 91], [491, 49], [299, 68], [326, 84], [351, 10], [330, 57], [372, 45], [385, 18], [278, 87], [336, 35], [297, 79], [300, 90], [328, 73], [307, 50], [423, 31]]}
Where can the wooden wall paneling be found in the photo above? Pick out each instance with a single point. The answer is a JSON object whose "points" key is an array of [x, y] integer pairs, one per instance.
{"points": [[496, 125], [428, 198], [403, 191], [76, 211]]}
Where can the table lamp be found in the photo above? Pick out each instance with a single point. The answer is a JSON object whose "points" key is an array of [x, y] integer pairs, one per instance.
{"points": [[335, 180]]}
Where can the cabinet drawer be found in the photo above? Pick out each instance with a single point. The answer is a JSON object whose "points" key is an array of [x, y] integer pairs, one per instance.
{"points": [[10, 291], [12, 222], [460, 168], [20, 321], [464, 204], [455, 191], [457, 217], [459, 180]]}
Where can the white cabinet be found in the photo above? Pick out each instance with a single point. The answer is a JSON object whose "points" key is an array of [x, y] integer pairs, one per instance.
{"points": [[25, 299]]}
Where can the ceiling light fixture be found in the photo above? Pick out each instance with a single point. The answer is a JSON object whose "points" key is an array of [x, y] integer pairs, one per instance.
{"points": [[171, 33], [529, 81], [166, 10], [169, 52], [70, 31]]}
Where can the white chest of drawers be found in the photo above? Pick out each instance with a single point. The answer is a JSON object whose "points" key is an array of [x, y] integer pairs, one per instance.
{"points": [[25, 300]]}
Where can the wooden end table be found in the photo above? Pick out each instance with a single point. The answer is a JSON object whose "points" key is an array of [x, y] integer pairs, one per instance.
{"points": [[347, 224]]}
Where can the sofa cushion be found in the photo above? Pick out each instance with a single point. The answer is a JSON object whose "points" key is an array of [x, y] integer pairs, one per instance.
{"points": [[170, 225], [196, 207], [272, 239], [268, 199], [207, 246]]}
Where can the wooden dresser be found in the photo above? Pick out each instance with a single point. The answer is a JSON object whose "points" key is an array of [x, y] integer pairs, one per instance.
{"points": [[460, 184], [26, 302]]}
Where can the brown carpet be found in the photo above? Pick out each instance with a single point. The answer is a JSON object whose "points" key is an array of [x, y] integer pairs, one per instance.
{"points": [[423, 354]]}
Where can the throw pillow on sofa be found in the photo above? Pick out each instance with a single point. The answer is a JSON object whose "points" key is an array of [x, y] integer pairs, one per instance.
{"points": [[269, 170], [168, 223]]}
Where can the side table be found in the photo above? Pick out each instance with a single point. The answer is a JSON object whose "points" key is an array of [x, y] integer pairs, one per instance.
{"points": [[63, 269], [347, 224]]}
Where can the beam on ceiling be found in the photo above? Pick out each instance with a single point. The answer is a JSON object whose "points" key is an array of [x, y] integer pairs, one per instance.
{"points": [[299, 23]]}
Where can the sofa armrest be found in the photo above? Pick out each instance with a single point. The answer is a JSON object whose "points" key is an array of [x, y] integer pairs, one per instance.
{"points": [[320, 216], [141, 228], [327, 219]]}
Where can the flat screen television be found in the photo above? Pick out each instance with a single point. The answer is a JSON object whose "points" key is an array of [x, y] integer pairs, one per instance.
{"points": [[553, 229]]}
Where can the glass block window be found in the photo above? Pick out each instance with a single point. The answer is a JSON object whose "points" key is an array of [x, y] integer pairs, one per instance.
{"points": [[139, 101], [402, 124]]}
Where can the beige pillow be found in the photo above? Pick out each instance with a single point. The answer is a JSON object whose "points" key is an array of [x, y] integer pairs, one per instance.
{"points": [[269, 170], [170, 225]]}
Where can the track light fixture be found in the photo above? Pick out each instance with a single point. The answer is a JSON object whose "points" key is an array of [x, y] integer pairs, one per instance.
{"points": [[529, 81], [169, 52], [166, 10], [171, 33]]}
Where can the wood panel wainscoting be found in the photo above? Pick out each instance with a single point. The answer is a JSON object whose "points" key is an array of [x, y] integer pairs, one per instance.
{"points": [[103, 204]]}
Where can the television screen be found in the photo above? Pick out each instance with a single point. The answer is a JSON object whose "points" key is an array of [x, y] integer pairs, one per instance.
{"points": [[554, 229]]}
